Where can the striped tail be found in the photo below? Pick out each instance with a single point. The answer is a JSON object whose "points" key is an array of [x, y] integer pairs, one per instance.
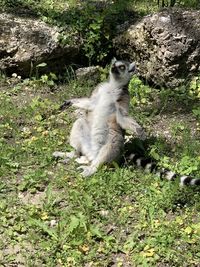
{"points": [[148, 165]]}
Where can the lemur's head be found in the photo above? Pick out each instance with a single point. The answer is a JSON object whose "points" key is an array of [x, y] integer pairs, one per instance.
{"points": [[121, 71]]}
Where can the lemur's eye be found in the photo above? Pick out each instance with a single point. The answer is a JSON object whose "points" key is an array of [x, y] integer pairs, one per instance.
{"points": [[122, 67]]}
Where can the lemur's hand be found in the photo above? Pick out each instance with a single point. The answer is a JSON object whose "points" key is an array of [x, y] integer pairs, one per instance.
{"points": [[141, 133], [65, 105]]}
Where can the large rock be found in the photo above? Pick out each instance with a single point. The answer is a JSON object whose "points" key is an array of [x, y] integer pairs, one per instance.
{"points": [[90, 74], [165, 45], [27, 42]]}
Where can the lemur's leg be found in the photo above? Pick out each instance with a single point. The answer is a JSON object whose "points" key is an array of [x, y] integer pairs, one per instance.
{"points": [[79, 140], [80, 137], [97, 142], [108, 153]]}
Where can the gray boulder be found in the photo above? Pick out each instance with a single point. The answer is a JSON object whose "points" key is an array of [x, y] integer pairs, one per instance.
{"points": [[90, 74], [165, 45], [27, 42]]}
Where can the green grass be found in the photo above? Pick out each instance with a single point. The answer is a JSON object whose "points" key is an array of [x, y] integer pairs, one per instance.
{"points": [[51, 216]]}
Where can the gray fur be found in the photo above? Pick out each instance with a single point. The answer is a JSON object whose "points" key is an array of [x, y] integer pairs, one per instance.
{"points": [[98, 135]]}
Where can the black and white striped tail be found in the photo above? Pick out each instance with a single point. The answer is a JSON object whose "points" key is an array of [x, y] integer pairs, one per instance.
{"points": [[150, 166], [188, 180]]}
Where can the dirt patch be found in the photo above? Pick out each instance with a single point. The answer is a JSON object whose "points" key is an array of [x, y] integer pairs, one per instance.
{"points": [[34, 199], [166, 125]]}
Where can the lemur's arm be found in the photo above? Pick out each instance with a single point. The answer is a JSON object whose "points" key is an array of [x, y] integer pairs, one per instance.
{"points": [[125, 121], [82, 103], [86, 103]]}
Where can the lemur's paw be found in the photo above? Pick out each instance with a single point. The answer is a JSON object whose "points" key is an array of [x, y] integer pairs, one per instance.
{"points": [[141, 133], [58, 154], [87, 170], [64, 161], [63, 155], [82, 160], [65, 105]]}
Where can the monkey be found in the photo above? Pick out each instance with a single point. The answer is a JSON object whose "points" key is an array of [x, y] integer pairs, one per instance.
{"points": [[98, 136]]}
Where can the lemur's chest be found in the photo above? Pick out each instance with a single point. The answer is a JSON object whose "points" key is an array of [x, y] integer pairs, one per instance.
{"points": [[105, 105], [108, 97]]}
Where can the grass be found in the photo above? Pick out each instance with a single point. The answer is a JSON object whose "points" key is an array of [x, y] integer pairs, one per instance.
{"points": [[51, 216]]}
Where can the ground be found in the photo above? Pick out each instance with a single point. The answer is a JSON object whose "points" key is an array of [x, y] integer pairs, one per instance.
{"points": [[122, 216]]}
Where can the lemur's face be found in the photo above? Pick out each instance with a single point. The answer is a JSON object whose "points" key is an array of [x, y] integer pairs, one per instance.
{"points": [[122, 71]]}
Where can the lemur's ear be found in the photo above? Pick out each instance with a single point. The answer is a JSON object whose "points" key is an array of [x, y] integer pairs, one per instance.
{"points": [[113, 61], [132, 67]]}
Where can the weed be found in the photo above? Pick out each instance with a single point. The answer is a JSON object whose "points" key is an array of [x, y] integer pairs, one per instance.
{"points": [[140, 93], [196, 112], [50, 215], [194, 88], [55, 217]]}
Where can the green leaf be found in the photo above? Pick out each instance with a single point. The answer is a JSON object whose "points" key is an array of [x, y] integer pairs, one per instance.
{"points": [[74, 223], [43, 227], [41, 65], [95, 231]]}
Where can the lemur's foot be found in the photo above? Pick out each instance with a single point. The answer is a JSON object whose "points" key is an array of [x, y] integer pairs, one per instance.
{"points": [[63, 155], [87, 170], [82, 160]]}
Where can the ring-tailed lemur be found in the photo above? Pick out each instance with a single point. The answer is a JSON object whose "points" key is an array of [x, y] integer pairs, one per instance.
{"points": [[98, 135]]}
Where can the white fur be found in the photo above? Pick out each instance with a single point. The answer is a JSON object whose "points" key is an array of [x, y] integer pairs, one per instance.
{"points": [[169, 175], [182, 179], [98, 134]]}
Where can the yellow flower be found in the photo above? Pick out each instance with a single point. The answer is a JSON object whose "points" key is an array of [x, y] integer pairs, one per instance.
{"points": [[44, 216]]}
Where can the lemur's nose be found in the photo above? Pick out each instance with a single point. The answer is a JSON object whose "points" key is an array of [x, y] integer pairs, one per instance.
{"points": [[132, 67]]}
